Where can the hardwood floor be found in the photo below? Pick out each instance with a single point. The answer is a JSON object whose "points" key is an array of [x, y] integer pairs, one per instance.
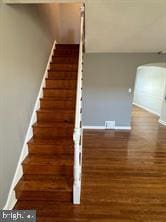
{"points": [[124, 177]]}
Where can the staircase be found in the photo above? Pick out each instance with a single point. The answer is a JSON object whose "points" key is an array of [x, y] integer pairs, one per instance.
{"points": [[48, 169]]}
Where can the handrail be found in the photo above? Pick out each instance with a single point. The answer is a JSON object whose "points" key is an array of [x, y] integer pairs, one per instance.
{"points": [[77, 135]]}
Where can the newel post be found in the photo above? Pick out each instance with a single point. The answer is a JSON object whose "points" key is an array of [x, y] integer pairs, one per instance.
{"points": [[77, 185]]}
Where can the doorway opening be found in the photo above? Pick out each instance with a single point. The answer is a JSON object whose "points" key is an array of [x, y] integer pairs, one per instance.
{"points": [[150, 91]]}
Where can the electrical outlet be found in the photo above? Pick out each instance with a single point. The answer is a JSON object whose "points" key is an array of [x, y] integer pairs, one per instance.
{"points": [[110, 124]]}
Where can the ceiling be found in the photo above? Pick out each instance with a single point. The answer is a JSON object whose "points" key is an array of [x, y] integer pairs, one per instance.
{"points": [[122, 25]]}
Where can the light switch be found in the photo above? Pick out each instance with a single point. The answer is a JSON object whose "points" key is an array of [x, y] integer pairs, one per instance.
{"points": [[129, 90]]}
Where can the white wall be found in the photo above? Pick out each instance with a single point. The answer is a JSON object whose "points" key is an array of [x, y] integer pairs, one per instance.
{"points": [[150, 87]]}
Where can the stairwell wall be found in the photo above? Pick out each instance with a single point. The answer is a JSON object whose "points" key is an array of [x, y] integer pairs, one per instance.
{"points": [[25, 44]]}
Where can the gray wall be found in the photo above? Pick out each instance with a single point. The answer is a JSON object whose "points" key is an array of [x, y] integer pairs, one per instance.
{"points": [[107, 78], [25, 44]]}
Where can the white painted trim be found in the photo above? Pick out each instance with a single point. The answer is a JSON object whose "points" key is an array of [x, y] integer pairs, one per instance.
{"points": [[11, 200], [104, 128], [94, 127], [162, 122], [147, 109], [122, 127]]}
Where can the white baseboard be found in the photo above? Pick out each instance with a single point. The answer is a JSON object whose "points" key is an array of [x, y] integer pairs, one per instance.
{"points": [[93, 127], [147, 109], [103, 127], [123, 127], [162, 122], [11, 200]]}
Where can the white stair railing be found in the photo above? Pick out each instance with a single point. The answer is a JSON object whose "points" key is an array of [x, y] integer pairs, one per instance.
{"points": [[78, 132]]}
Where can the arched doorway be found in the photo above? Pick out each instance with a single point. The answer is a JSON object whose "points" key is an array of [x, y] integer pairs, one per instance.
{"points": [[150, 89]]}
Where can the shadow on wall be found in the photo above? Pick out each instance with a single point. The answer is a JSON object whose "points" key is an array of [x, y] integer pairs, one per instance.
{"points": [[61, 21], [69, 36]]}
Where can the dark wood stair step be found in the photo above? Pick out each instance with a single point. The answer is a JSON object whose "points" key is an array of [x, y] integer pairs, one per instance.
{"points": [[46, 115], [63, 67], [66, 49], [65, 60], [49, 208], [65, 55], [67, 46], [62, 75], [59, 93], [59, 146], [53, 130], [60, 84], [48, 165], [55, 189], [70, 51], [49, 103]]}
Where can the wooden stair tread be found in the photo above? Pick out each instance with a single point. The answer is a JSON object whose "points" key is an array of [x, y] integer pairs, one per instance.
{"points": [[57, 105], [48, 164], [37, 188], [62, 141], [44, 184], [60, 80], [48, 159], [52, 147], [54, 99], [65, 54], [41, 205], [60, 111], [54, 124], [60, 75], [59, 89], [52, 116], [67, 45], [64, 62], [67, 63], [64, 67], [59, 93], [49, 208], [64, 72]]}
